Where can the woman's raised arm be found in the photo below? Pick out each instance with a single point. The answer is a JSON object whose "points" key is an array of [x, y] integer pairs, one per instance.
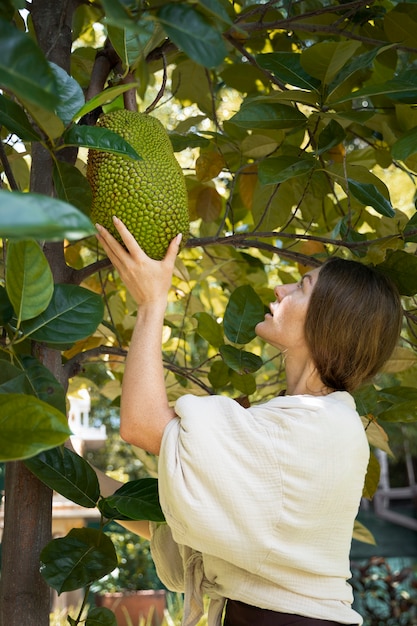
{"points": [[144, 410]]}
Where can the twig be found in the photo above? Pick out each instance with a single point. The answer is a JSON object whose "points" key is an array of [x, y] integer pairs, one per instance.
{"points": [[162, 88], [7, 169]]}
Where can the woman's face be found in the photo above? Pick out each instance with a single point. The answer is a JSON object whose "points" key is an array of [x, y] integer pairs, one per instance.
{"points": [[283, 327]]}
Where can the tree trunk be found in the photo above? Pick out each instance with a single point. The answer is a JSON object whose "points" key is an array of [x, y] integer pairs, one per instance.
{"points": [[24, 595]]}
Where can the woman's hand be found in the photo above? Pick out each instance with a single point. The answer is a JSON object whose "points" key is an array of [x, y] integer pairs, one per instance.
{"points": [[148, 281]]}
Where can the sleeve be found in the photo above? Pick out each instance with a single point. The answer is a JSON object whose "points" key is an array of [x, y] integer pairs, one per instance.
{"points": [[210, 502], [167, 556]]}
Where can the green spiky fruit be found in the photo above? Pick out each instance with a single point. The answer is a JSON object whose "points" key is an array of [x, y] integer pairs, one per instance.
{"points": [[149, 195]]}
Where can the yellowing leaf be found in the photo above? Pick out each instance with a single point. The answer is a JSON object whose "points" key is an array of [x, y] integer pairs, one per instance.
{"points": [[361, 533], [209, 204], [373, 473], [247, 183], [82, 345], [401, 359], [208, 166], [376, 434], [260, 146]]}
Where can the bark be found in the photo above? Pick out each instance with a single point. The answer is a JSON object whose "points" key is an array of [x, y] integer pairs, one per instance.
{"points": [[24, 595]]}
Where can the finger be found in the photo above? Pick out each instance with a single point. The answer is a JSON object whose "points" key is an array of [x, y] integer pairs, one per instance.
{"points": [[127, 237], [114, 250], [106, 238], [173, 248]]}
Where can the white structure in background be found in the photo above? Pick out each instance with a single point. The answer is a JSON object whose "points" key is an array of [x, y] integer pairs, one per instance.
{"points": [[385, 493], [84, 435]]}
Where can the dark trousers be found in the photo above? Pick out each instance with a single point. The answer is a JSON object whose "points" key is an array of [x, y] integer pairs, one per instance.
{"points": [[240, 614]]}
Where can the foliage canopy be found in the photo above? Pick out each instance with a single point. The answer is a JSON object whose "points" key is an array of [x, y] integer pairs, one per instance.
{"points": [[296, 126]]}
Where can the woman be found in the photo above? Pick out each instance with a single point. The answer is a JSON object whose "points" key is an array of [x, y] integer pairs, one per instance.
{"points": [[260, 502]]}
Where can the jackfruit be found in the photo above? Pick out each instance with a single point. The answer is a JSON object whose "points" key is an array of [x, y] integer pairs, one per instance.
{"points": [[149, 195]]}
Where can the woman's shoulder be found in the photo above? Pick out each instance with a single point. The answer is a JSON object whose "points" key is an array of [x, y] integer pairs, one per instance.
{"points": [[206, 404]]}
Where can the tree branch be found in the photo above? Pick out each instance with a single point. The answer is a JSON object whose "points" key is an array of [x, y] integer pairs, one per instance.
{"points": [[7, 169], [249, 240], [78, 276], [300, 23], [74, 365]]}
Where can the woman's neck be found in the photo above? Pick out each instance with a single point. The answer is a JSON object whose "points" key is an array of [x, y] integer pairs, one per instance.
{"points": [[303, 378]]}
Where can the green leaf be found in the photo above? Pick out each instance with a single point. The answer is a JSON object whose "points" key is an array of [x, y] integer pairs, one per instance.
{"points": [[13, 117], [240, 360], [131, 44], [243, 311], [268, 115], [32, 378], [217, 11], [405, 146], [410, 227], [275, 170], [99, 139], [71, 186], [43, 383], [104, 97], [403, 401], [400, 26], [24, 70], [25, 215], [358, 63], [7, 10], [189, 82], [325, 59], [48, 122], [246, 383], [77, 560], [29, 426], [190, 140], [100, 616], [219, 375], [287, 67], [406, 412], [73, 314], [193, 33], [332, 135], [401, 267], [396, 395], [29, 280], [67, 473], [135, 500], [71, 96], [6, 308], [209, 329], [13, 379], [118, 13], [403, 87], [369, 195], [244, 77]]}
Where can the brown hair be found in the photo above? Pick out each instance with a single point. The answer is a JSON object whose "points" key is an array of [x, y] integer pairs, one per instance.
{"points": [[353, 323]]}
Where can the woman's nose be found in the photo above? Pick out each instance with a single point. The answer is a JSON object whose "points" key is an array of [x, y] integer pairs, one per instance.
{"points": [[281, 291]]}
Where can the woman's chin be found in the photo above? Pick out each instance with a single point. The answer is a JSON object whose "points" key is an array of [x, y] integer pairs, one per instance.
{"points": [[259, 328]]}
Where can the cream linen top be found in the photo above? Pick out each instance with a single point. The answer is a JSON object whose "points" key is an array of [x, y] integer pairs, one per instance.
{"points": [[260, 504]]}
